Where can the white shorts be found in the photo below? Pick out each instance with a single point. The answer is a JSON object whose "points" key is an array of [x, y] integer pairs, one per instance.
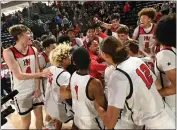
{"points": [[165, 120], [87, 123], [26, 104], [58, 110], [125, 124]]}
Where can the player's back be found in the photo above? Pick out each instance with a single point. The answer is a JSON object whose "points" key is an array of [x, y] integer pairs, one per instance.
{"points": [[149, 62], [85, 114], [144, 105], [55, 106]]}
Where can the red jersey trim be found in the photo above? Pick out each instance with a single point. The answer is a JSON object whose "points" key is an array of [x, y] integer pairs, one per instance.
{"points": [[18, 54], [141, 30], [45, 56]]}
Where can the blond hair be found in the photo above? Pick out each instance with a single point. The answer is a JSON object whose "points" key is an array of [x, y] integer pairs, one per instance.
{"points": [[58, 54]]}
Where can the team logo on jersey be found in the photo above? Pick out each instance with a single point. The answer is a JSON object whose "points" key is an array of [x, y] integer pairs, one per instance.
{"points": [[147, 38], [26, 62]]}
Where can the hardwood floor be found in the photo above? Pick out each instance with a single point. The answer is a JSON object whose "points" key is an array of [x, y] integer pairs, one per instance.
{"points": [[14, 122]]}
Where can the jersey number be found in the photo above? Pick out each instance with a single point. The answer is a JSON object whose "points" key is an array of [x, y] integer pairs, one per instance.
{"points": [[28, 69], [145, 75], [76, 89]]}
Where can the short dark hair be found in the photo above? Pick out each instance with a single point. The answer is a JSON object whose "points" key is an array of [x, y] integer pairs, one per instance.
{"points": [[18, 29], [63, 38], [132, 45], [123, 30], [81, 58], [165, 31], [47, 42], [90, 27], [43, 37], [150, 12], [115, 16], [115, 49], [70, 30]]}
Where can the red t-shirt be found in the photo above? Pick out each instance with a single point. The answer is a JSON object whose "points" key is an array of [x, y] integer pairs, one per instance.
{"points": [[102, 35], [96, 68]]}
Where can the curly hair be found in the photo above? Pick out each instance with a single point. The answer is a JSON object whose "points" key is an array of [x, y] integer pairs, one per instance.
{"points": [[57, 55], [150, 12]]}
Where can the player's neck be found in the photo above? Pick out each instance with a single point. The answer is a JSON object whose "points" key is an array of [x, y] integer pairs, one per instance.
{"points": [[147, 26], [21, 47], [136, 55], [83, 72]]}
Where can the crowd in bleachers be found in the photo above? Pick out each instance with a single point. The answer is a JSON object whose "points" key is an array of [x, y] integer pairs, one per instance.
{"points": [[78, 14], [134, 31]]}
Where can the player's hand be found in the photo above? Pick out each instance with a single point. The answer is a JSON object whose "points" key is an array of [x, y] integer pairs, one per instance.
{"points": [[37, 93], [46, 74]]}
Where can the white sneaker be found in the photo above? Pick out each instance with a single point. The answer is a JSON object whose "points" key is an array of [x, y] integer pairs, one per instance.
{"points": [[49, 126]]}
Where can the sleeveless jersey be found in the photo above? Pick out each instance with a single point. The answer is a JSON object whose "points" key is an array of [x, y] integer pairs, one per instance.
{"points": [[170, 100], [149, 62], [83, 107], [27, 65], [143, 104], [146, 40], [43, 63], [43, 60], [54, 105]]}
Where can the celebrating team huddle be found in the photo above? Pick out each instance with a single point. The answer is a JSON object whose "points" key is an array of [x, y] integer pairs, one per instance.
{"points": [[136, 86]]}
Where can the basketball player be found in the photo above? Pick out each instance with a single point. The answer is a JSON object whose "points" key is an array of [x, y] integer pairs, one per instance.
{"points": [[135, 52], [22, 60], [132, 89], [48, 45], [144, 32], [165, 67], [85, 91], [57, 108]]}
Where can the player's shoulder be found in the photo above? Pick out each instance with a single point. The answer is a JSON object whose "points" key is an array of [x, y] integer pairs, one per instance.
{"points": [[8, 51], [166, 53], [66, 73]]}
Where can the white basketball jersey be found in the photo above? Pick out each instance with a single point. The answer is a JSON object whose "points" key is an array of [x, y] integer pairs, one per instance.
{"points": [[146, 39], [163, 58], [54, 105], [143, 105], [43, 63], [149, 62], [27, 65], [43, 60], [84, 109]]}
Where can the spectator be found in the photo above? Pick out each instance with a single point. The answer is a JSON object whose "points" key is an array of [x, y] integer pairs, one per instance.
{"points": [[96, 67], [65, 23], [126, 9], [98, 32], [165, 8]]}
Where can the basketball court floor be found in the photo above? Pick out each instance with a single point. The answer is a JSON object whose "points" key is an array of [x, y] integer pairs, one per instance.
{"points": [[14, 122]]}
